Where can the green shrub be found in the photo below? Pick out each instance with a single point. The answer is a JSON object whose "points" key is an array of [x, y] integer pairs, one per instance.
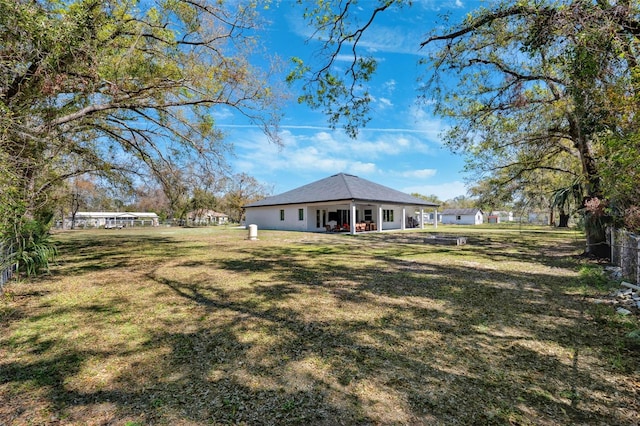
{"points": [[27, 243], [594, 276]]}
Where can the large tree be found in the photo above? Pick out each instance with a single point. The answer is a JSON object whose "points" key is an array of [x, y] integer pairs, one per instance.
{"points": [[538, 82], [119, 88], [528, 86], [242, 189]]}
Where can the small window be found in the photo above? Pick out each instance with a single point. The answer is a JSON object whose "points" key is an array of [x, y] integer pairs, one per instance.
{"points": [[387, 215], [300, 214], [281, 214], [458, 217], [368, 216]]}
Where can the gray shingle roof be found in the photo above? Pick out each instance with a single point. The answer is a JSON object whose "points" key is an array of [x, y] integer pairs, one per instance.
{"points": [[341, 187]]}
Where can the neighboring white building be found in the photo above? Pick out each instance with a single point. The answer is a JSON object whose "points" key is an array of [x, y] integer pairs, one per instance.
{"points": [[462, 217], [111, 219], [341, 201], [207, 217], [502, 216]]}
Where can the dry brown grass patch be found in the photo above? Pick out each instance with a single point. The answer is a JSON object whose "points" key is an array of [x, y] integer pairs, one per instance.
{"points": [[202, 326]]}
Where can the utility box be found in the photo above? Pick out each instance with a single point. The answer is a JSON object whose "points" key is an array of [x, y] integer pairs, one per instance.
{"points": [[253, 232]]}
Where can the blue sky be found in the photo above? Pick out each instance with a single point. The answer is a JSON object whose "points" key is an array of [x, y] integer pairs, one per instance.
{"points": [[400, 147]]}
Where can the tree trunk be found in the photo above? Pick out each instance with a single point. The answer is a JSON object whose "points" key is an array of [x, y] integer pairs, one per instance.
{"points": [[597, 244], [564, 220], [594, 219]]}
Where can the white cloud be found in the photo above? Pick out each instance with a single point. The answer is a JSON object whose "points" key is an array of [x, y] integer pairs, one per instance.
{"points": [[389, 86], [311, 153], [311, 158], [378, 38], [371, 142], [221, 113], [321, 151], [436, 5], [397, 30], [359, 168], [344, 58], [419, 174], [445, 191], [385, 103], [421, 120]]}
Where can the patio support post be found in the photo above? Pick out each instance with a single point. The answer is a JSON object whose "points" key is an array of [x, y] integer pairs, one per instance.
{"points": [[421, 218], [435, 218], [352, 225], [380, 218], [403, 225]]}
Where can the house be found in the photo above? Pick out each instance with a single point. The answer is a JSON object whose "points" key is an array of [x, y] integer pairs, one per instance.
{"points": [[207, 217], [339, 202], [110, 220], [498, 216], [462, 217]]}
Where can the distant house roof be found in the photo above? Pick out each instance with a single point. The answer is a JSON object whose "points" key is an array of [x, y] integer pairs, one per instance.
{"points": [[460, 212], [341, 187]]}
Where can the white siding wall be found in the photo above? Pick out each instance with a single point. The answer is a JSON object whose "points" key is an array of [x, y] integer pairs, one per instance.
{"points": [[269, 217], [468, 219], [479, 218]]}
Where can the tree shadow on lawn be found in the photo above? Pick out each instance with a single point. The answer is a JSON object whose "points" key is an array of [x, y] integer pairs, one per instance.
{"points": [[442, 345], [509, 380], [476, 296], [512, 246], [112, 251], [491, 385]]}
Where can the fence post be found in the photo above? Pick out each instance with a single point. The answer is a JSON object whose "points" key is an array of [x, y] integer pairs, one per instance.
{"points": [[612, 239], [7, 267], [637, 260], [622, 241]]}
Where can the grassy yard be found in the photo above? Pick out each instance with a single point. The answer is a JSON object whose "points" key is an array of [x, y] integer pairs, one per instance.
{"points": [[201, 326]]}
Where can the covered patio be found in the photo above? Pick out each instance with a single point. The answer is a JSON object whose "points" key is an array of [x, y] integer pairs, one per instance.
{"points": [[358, 217]]}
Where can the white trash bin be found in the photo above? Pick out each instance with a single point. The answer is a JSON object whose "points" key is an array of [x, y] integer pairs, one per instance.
{"points": [[253, 232]]}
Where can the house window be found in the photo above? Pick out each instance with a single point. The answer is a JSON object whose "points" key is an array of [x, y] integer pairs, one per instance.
{"points": [[368, 216], [300, 214], [458, 217], [387, 215], [282, 214]]}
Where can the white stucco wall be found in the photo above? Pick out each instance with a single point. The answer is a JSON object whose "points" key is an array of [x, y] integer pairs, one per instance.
{"points": [[269, 217], [451, 219], [397, 218]]}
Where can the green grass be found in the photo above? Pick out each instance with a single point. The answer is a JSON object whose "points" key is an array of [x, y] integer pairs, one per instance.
{"points": [[202, 326]]}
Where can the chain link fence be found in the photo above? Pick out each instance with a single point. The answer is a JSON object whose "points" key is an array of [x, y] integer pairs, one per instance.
{"points": [[7, 266], [625, 253]]}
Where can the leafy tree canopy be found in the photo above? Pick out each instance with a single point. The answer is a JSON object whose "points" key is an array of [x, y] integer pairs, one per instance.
{"points": [[120, 88], [527, 86]]}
